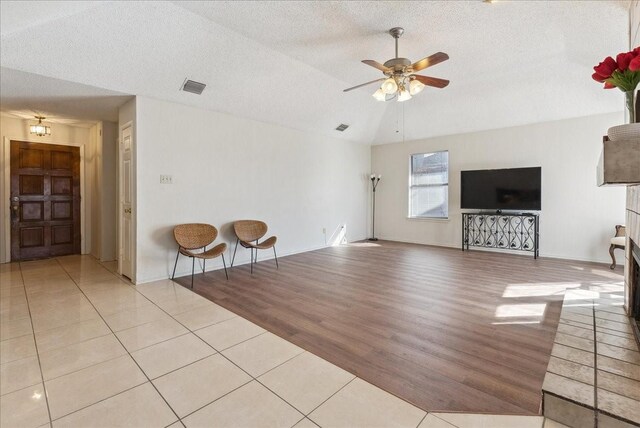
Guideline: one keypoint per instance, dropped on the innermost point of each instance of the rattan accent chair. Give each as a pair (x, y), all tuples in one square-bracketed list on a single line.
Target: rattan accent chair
[(196, 236), (249, 233)]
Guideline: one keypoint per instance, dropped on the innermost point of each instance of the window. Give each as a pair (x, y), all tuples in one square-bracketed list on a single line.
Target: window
[(429, 185)]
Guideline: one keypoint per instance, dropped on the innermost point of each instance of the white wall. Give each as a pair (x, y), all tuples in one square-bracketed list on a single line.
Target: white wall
[(226, 168), (109, 208), (634, 23), (93, 179), (102, 176), (18, 129), (577, 218)]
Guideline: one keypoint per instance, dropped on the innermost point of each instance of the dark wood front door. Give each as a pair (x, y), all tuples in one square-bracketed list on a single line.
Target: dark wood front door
[(45, 200)]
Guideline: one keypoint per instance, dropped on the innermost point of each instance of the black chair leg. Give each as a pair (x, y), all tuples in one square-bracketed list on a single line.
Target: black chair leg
[(176, 264), (193, 266), (234, 252), (276, 256), (225, 267), (252, 261), (204, 265)]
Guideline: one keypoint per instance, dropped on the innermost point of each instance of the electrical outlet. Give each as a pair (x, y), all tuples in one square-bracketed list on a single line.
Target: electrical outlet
[(166, 179), (324, 230)]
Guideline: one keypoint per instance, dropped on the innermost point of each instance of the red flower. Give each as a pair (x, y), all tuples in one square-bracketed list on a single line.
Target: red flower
[(605, 68), (634, 65), (608, 85), (623, 60)]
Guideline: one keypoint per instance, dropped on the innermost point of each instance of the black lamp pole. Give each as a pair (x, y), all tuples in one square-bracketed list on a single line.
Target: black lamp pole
[(374, 183)]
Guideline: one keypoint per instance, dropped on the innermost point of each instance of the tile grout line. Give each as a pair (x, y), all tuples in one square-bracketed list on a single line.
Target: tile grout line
[(423, 418), (44, 387), (304, 350), (249, 374), (456, 426), (583, 350), (328, 398), (125, 348), (211, 402), (193, 332), (189, 332), (284, 362), (573, 323), (228, 347), (246, 383)]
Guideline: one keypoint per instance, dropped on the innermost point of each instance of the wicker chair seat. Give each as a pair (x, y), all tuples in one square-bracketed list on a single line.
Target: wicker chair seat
[(264, 245), (248, 234), (211, 253), (192, 238)]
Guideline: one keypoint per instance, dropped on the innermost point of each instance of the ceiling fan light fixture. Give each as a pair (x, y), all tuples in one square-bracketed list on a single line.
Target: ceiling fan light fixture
[(40, 129), (415, 87), (389, 86), (399, 81), (404, 95), (379, 95)]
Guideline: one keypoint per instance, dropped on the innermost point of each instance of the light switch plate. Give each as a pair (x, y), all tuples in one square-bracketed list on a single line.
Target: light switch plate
[(166, 179)]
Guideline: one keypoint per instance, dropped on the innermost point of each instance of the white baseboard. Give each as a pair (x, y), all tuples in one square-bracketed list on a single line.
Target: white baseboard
[(217, 265), (498, 250)]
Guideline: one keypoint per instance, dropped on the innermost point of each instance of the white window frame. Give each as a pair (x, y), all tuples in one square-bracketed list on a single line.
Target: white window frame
[(411, 186)]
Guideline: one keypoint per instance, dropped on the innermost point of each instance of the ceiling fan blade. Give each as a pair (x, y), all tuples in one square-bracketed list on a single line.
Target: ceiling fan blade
[(364, 84), (431, 81), (376, 64), (434, 59)]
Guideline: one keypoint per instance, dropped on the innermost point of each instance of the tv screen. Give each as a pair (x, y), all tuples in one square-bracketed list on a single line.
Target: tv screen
[(501, 189)]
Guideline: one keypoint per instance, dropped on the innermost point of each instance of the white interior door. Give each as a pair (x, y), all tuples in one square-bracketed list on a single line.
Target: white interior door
[(125, 258)]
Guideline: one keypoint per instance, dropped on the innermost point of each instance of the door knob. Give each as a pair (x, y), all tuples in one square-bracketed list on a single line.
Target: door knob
[(15, 208)]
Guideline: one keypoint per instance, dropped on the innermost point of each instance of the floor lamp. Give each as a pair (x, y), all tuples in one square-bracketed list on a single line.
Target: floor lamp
[(374, 183)]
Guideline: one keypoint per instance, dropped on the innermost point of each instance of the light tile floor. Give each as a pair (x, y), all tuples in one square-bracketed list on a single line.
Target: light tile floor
[(80, 347)]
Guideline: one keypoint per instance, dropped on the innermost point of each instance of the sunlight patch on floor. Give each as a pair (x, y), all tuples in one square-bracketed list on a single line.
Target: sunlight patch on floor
[(538, 289), (581, 295), (362, 244), (521, 310)]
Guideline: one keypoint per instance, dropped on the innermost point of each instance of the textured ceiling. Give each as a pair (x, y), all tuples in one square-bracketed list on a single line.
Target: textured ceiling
[(512, 62), (25, 95)]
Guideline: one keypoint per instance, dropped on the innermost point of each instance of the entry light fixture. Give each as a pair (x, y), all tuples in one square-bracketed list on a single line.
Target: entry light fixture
[(40, 129)]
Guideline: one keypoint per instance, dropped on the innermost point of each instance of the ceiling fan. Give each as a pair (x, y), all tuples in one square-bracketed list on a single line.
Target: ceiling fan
[(400, 82)]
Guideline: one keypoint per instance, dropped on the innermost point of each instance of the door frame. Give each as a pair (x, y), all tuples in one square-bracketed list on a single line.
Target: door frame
[(5, 191)]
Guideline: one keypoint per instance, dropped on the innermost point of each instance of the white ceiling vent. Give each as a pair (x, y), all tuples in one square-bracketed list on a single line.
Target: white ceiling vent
[(342, 127), (193, 87)]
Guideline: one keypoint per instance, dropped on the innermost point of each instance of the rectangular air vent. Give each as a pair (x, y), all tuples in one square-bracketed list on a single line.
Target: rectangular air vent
[(342, 127), (193, 87)]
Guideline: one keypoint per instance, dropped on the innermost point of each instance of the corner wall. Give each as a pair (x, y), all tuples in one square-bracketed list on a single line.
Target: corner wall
[(577, 218), (227, 168), (102, 176)]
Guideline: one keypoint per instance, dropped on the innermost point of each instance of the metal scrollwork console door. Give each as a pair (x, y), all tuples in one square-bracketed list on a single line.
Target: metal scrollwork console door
[(518, 232)]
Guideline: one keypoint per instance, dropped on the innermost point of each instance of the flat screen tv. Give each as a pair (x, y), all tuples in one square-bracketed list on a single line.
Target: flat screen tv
[(502, 189)]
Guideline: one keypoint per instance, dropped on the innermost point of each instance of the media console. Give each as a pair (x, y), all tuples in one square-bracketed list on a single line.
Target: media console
[(518, 231)]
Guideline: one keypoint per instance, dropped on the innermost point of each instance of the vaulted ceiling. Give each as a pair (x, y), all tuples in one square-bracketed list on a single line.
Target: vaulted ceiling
[(512, 62)]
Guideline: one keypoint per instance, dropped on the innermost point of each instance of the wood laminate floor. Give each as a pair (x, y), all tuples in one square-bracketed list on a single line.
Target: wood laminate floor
[(445, 330)]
